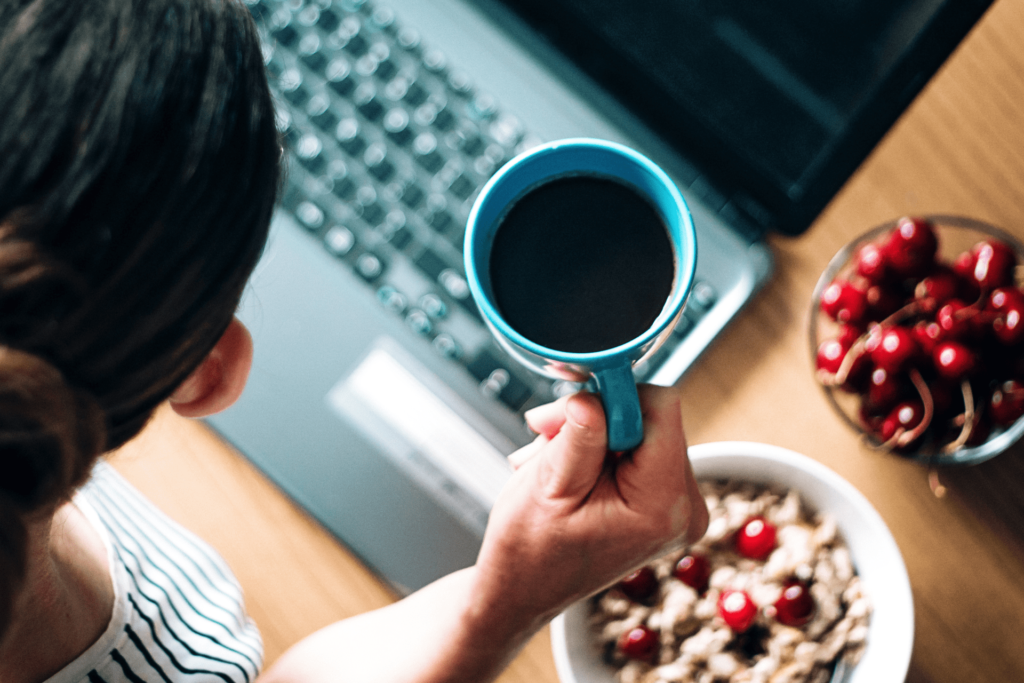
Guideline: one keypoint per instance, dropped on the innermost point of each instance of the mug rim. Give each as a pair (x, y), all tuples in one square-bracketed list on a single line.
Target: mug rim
[(685, 251)]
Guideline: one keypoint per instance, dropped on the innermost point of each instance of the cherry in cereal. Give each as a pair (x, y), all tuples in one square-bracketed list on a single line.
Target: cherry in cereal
[(756, 538), (694, 570), (737, 610), (795, 606), (639, 585), (639, 643)]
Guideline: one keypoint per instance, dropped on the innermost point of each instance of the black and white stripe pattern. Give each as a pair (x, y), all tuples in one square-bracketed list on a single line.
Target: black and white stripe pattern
[(182, 617)]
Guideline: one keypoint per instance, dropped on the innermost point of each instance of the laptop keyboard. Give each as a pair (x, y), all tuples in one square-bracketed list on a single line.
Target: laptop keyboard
[(387, 146)]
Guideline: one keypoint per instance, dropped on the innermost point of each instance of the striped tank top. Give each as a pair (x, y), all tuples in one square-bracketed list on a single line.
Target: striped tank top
[(178, 612)]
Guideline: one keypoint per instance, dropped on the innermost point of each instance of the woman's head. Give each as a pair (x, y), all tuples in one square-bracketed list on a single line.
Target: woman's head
[(138, 167)]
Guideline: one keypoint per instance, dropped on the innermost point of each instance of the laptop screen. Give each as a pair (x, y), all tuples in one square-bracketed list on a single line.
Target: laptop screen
[(775, 101)]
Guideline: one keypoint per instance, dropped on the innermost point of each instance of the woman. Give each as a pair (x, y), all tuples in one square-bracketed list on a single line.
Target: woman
[(138, 168)]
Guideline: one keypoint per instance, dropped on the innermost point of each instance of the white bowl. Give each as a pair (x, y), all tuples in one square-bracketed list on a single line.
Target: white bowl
[(874, 552)]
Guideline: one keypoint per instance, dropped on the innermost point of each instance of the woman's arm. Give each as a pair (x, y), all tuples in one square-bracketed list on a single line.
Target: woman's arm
[(571, 520)]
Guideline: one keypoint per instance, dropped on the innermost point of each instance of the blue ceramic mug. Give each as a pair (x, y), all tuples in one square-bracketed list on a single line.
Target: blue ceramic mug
[(610, 370)]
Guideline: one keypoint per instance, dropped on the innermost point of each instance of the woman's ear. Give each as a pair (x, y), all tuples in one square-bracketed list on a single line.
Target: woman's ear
[(218, 381)]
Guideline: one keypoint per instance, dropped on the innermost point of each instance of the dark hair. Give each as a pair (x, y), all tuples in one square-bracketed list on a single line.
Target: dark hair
[(139, 164)]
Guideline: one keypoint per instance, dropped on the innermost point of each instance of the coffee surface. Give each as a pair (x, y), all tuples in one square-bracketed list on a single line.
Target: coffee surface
[(581, 264)]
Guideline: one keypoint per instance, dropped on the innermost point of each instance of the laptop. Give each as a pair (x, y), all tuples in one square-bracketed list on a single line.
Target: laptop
[(378, 401)]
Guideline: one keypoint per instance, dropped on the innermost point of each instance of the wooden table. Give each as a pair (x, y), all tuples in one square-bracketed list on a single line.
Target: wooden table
[(959, 149)]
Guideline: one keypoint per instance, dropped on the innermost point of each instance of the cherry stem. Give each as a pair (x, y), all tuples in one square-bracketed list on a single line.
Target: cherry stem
[(843, 373), (968, 418), (934, 484), (929, 409)]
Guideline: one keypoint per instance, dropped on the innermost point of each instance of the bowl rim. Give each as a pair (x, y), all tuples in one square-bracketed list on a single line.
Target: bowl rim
[(891, 637), (967, 455)]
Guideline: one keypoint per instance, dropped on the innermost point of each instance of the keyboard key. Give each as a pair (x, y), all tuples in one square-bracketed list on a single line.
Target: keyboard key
[(369, 208), (424, 151), (433, 305), (383, 19), (419, 322), (369, 266), (392, 299), (408, 192), (281, 29), (339, 240), (440, 221), (349, 137), (447, 346), (310, 215), (396, 125), (318, 109), (483, 106), (309, 152), (310, 52), (461, 185), (339, 76), (328, 20), (456, 286), (460, 83), (377, 163), (366, 101), (290, 85), (408, 39), (349, 37), (497, 381), (434, 61), (702, 296), (339, 180), (431, 264)]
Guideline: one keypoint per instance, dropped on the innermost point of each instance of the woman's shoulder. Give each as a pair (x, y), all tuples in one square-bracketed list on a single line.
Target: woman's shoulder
[(179, 611)]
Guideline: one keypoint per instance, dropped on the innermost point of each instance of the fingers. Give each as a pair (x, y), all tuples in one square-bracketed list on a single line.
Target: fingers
[(548, 418), (574, 458), (524, 454), (659, 472)]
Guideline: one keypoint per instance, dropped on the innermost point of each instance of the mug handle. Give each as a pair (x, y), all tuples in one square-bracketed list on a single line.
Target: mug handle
[(617, 387)]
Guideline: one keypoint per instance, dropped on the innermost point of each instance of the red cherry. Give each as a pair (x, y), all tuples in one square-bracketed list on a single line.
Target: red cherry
[(905, 416), (640, 584), (737, 610), (756, 538), (1008, 324), (892, 348), (994, 264), (963, 266), (884, 389), (882, 301), (911, 246), (953, 360), (694, 570), (927, 334), (1007, 403), (639, 643), (830, 355), (844, 302), (871, 263), (795, 606), (937, 288), (954, 324)]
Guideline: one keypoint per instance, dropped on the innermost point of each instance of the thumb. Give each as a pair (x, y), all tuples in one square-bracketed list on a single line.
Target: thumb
[(575, 457)]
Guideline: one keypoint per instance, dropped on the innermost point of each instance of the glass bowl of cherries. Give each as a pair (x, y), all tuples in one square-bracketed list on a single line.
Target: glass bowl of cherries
[(917, 336)]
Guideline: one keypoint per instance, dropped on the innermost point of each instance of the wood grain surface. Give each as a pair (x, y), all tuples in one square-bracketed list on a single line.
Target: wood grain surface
[(959, 149)]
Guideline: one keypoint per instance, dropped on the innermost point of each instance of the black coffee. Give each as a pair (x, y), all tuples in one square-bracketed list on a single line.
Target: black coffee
[(581, 264)]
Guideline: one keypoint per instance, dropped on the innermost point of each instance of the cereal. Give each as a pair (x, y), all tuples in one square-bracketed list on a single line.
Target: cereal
[(811, 609)]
